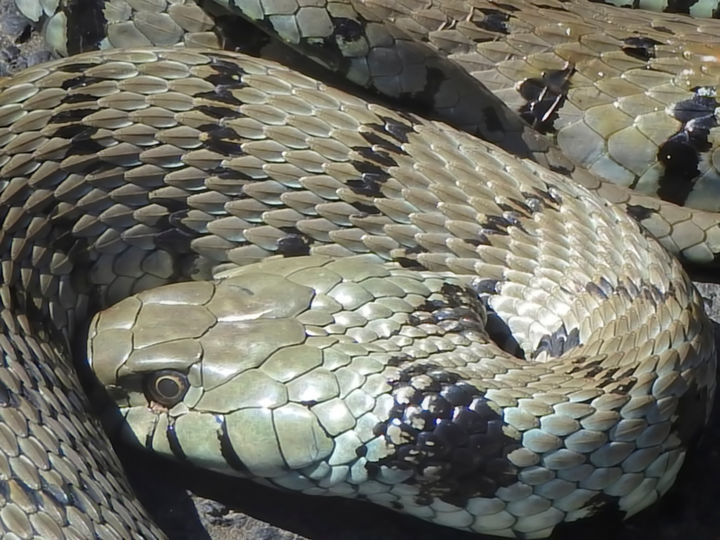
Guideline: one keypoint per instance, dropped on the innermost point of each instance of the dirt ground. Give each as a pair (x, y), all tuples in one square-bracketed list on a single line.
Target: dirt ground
[(190, 504)]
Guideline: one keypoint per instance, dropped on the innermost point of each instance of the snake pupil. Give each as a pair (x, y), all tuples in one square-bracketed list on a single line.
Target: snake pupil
[(167, 387)]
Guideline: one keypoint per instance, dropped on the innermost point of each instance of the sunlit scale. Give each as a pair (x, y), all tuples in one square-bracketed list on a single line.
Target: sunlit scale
[(513, 353)]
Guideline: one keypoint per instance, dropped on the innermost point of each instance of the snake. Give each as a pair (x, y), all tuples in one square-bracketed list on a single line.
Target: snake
[(449, 314)]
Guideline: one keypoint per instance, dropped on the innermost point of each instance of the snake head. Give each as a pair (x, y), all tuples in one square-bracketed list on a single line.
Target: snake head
[(266, 369), (175, 360)]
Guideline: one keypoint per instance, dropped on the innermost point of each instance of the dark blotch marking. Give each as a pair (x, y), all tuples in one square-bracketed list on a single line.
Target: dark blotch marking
[(485, 286), (170, 233), (365, 209), (642, 48), (663, 29), (227, 75), (513, 218), (347, 29), (533, 202), (70, 115), (175, 220), (679, 6), (88, 24), (681, 159), (652, 294), (378, 156), (398, 360), (173, 241), (625, 292), (602, 514), (371, 169), (443, 430), (680, 154), (558, 343), (406, 262), (224, 140), (587, 369), (544, 97), (496, 225), (78, 82), (480, 240), (698, 107), (78, 67), (513, 213), (494, 20), (216, 112), (595, 290), (626, 387), (366, 185), (605, 286), (639, 213), (603, 290), (5, 395), (543, 198), (397, 129), (294, 244), (371, 179), (374, 139), (223, 94), (406, 257), (59, 494), (458, 309), (71, 131), (79, 98), (495, 327), (80, 136)]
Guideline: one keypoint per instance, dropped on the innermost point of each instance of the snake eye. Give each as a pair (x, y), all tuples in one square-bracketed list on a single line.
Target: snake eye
[(166, 387)]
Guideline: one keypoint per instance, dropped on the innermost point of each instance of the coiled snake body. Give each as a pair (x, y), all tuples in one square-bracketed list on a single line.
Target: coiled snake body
[(459, 334)]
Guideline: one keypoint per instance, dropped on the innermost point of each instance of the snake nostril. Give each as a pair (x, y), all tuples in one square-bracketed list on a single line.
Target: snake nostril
[(166, 387)]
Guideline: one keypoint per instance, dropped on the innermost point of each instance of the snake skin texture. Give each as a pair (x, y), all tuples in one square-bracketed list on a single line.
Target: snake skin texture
[(635, 107), (628, 95), (199, 189), (512, 351)]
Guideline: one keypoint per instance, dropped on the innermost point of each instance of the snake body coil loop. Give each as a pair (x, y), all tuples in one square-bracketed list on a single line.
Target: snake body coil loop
[(327, 294)]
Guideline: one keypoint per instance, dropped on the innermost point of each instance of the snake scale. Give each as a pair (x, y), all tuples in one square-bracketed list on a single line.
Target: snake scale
[(373, 304)]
